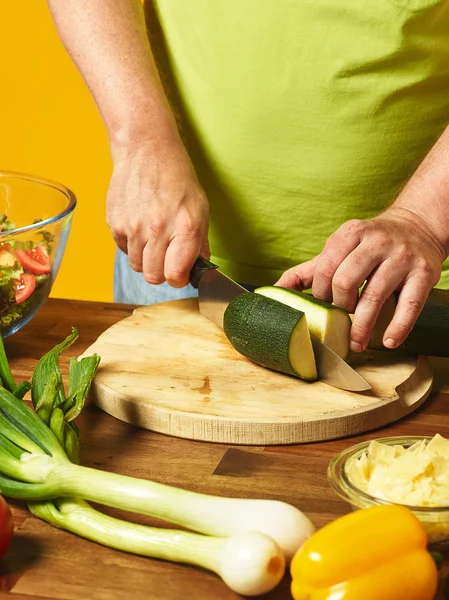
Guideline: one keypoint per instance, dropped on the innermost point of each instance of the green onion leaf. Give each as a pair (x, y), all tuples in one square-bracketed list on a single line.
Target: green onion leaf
[(48, 365), (10, 464), (81, 375), (44, 406), (24, 491), (72, 443), (57, 424), (5, 371), (12, 448), (25, 428), (18, 436), (22, 389)]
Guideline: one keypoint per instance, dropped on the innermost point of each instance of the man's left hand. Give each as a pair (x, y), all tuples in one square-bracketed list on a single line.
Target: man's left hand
[(393, 251)]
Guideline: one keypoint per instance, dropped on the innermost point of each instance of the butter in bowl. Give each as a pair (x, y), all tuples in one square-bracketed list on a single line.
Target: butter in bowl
[(411, 471)]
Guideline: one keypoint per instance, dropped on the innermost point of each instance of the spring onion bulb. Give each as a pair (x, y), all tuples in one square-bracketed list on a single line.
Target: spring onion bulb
[(249, 563)]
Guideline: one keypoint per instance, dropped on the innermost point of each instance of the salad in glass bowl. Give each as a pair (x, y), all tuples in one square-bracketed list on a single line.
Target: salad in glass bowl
[(35, 219)]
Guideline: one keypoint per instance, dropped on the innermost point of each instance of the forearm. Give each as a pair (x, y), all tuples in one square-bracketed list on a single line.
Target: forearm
[(108, 42), (426, 195)]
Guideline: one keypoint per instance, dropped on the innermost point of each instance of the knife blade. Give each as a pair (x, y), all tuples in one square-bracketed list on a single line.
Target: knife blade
[(334, 371), (215, 292)]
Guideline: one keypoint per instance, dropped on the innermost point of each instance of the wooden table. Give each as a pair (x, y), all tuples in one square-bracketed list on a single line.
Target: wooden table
[(44, 562)]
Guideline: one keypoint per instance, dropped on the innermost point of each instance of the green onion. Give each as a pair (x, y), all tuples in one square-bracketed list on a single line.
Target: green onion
[(23, 427), (29, 467), (250, 564), (81, 374), (18, 489), (198, 512), (246, 542), (46, 402), (47, 367), (288, 526), (12, 448), (5, 371), (22, 389)]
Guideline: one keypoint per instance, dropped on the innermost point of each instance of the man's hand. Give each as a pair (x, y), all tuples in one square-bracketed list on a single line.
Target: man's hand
[(156, 208), (158, 212), (393, 251)]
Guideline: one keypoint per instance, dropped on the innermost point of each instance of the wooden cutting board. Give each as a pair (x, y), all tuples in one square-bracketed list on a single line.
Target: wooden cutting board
[(168, 369)]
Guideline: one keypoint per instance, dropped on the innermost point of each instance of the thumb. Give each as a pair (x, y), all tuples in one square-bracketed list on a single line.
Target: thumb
[(299, 277)]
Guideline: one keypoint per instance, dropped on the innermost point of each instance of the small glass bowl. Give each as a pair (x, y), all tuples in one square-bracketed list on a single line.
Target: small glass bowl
[(435, 520), (39, 215)]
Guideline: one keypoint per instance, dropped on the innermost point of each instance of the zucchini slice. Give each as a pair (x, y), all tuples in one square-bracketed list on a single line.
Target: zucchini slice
[(429, 336), (329, 323), (270, 334)]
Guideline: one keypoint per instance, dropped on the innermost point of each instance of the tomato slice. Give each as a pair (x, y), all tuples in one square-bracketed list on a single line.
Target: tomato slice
[(6, 526), (25, 287), (35, 261), (5, 247)]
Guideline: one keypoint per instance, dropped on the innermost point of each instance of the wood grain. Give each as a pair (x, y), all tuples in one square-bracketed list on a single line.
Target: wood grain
[(47, 564), (168, 369)]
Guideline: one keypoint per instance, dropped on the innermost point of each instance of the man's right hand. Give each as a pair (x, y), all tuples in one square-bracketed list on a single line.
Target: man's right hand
[(157, 211), (156, 208)]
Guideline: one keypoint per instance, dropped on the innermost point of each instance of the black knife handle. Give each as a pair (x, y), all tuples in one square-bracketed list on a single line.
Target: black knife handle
[(201, 266)]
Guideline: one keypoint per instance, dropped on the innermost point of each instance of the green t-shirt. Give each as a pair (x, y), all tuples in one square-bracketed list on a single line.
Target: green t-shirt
[(301, 114)]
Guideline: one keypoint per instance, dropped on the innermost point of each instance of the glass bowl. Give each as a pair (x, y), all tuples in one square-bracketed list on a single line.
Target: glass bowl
[(435, 520), (35, 219)]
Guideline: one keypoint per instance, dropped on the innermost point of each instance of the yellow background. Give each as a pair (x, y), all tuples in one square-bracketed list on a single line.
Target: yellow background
[(50, 127)]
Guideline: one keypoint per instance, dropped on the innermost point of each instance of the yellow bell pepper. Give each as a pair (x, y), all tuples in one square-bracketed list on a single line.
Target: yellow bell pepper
[(377, 553)]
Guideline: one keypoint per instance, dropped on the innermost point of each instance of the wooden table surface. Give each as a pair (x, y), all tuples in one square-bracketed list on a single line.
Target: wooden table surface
[(46, 563)]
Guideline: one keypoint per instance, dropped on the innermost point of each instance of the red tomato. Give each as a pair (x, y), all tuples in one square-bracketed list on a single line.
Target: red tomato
[(5, 247), (6, 527), (35, 261), (25, 287)]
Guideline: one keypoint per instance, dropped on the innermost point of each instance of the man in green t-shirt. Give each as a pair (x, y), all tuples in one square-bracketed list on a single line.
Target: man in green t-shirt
[(305, 141)]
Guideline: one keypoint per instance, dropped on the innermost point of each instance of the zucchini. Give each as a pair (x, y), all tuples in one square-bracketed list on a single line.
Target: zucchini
[(329, 323), (270, 334), (429, 336)]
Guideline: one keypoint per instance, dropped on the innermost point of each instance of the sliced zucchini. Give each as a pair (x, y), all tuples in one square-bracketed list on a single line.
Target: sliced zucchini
[(329, 323), (270, 334)]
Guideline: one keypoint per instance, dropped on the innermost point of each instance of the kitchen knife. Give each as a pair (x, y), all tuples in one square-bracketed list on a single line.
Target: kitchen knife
[(215, 292)]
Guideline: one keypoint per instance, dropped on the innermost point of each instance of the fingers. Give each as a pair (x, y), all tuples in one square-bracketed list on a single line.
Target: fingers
[(300, 277), (351, 275), (121, 241), (181, 254), (410, 304), (337, 248), (153, 255), (135, 246), (379, 288), (163, 260)]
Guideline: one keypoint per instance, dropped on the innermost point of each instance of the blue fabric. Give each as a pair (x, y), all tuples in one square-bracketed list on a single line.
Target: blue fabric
[(131, 288)]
